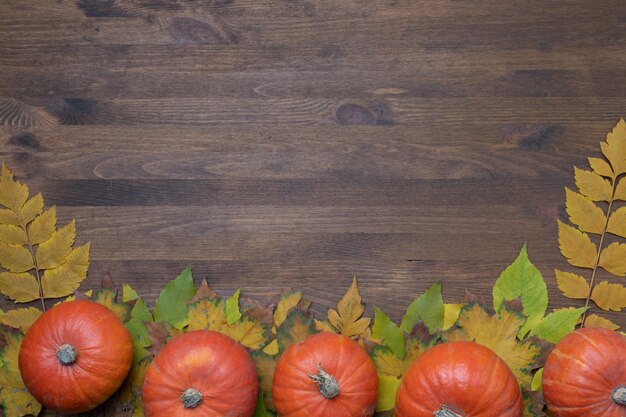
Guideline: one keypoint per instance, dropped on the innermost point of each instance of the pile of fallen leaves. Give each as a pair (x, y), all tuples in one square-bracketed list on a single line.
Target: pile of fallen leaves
[(40, 262)]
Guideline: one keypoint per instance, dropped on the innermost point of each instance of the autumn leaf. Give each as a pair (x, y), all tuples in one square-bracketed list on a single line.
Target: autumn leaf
[(13, 194), (556, 325), (160, 335), (12, 235), (19, 287), (20, 318), (347, 318), (535, 384), (66, 278), (287, 302), (203, 292), (271, 348), (265, 366), (522, 279), (387, 389), (499, 333), (583, 212), (129, 293), (387, 362), (108, 298), (613, 259), (232, 308), (389, 332), (593, 320), (617, 222), (572, 285), (601, 167), (614, 148), (451, 314), (16, 258), (620, 190), (52, 252), (609, 296), (250, 333), (130, 393), (592, 185), (207, 314), (576, 246), (428, 307), (171, 306), (43, 226), (297, 326), (14, 397)]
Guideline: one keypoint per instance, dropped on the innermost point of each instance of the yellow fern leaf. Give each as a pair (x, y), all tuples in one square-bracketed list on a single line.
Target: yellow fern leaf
[(8, 217), (43, 226), (613, 259), (576, 246), (62, 281), (620, 190), (31, 209), (20, 318), (13, 235), (609, 296), (16, 258), (617, 222), (615, 147), (593, 320), (20, 287), (572, 285), (601, 167), (583, 212), (13, 194), (52, 252), (592, 185)]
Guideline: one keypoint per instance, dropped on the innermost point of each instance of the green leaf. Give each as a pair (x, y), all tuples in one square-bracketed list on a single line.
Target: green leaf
[(261, 410), (387, 330), (535, 385), (555, 326), (523, 279), (428, 308), (129, 293), (387, 389), (140, 311), (171, 306), (232, 308)]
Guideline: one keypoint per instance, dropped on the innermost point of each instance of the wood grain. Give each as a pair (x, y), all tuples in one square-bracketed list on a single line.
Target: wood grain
[(294, 143)]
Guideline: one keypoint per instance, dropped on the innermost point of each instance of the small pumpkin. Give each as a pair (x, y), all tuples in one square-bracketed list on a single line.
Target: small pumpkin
[(585, 375), (325, 375), (202, 373), (458, 379), (75, 356)]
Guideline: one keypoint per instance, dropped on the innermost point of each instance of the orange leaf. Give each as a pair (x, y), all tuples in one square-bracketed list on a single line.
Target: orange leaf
[(594, 320), (576, 246), (347, 318), (613, 259), (615, 147), (572, 285), (609, 296), (593, 185), (583, 212)]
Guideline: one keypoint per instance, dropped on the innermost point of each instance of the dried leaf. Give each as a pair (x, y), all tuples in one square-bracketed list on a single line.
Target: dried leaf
[(451, 314), (287, 302), (108, 298), (20, 318), (601, 167), (21, 288), (171, 306), (232, 308), (620, 190), (12, 235), (248, 332), (323, 326), (388, 332), (613, 259), (9, 217), (160, 334), (428, 308), (593, 320), (556, 325), (572, 285), (609, 296), (583, 212), (203, 292), (31, 209), (265, 366), (15, 258), (522, 279), (347, 318), (297, 327), (499, 333), (387, 362), (44, 225), (52, 252), (14, 397), (387, 389), (576, 246), (617, 222), (593, 185), (65, 279), (13, 194), (614, 148)]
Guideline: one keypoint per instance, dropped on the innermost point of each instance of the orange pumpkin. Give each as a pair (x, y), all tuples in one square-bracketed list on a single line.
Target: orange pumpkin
[(325, 375), (459, 379), (201, 373), (75, 356), (585, 375)]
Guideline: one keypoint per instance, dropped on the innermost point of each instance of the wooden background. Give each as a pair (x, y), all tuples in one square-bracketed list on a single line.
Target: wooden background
[(294, 143)]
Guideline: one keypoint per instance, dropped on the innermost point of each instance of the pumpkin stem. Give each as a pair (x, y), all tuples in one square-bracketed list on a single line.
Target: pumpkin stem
[(191, 398), (444, 411), (619, 395), (328, 385), (66, 354)]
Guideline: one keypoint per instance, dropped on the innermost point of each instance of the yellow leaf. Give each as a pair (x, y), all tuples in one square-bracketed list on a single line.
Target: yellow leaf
[(386, 362), (20, 318), (52, 252), (272, 348), (617, 222), (62, 281), (499, 333), (207, 314), (248, 332), (265, 366), (620, 190), (108, 298), (16, 258), (286, 303), (593, 185), (593, 320), (15, 398), (8, 217), (535, 385), (601, 167), (297, 327), (32, 208), (572, 285), (451, 314), (21, 287), (613, 259), (43, 226), (583, 212), (13, 194), (13, 235), (609, 296), (615, 147), (576, 246), (347, 318), (323, 326)]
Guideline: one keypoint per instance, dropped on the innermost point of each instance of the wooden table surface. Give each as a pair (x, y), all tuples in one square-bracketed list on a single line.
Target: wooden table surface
[(294, 143)]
